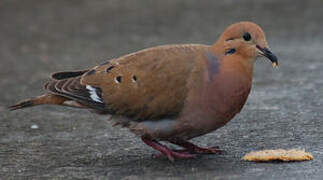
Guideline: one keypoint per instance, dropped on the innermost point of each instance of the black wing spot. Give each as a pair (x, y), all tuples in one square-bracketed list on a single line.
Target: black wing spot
[(109, 68), (118, 79), (134, 78), (91, 72)]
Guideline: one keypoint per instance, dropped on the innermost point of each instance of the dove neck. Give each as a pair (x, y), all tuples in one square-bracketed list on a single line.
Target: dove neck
[(217, 49), (237, 61)]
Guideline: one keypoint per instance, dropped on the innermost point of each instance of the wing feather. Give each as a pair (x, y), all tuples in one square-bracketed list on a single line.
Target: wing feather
[(149, 84), (72, 89), (67, 74)]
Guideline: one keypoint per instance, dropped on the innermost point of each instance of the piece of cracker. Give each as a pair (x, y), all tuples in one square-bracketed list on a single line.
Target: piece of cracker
[(278, 155)]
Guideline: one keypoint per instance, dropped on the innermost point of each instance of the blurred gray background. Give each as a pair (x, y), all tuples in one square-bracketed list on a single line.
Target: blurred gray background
[(37, 37)]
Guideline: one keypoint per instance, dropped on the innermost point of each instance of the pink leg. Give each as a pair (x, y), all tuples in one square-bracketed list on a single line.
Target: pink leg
[(192, 148), (166, 151)]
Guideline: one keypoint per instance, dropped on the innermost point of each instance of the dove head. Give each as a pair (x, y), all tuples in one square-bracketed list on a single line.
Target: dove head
[(246, 39)]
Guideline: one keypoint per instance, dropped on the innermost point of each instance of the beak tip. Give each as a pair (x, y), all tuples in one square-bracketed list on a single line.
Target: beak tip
[(267, 53)]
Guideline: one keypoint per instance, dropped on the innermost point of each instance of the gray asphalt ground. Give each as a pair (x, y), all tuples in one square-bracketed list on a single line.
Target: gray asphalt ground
[(37, 37)]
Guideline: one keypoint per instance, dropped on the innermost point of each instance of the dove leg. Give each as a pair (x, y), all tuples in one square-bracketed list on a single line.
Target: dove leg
[(192, 148), (166, 151)]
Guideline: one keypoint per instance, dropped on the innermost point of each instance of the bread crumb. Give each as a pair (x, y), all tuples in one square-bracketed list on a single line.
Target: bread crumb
[(278, 155)]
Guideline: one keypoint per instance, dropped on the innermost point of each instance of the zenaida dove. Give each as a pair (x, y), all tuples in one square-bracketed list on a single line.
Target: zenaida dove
[(168, 93)]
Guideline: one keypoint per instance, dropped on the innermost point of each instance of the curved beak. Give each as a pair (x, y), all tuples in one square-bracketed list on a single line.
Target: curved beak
[(268, 54)]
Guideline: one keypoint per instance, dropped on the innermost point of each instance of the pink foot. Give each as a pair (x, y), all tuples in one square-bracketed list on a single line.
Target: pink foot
[(171, 154)]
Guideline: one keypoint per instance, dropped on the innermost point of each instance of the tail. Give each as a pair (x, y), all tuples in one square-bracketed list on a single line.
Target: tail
[(22, 104), (55, 98), (45, 99)]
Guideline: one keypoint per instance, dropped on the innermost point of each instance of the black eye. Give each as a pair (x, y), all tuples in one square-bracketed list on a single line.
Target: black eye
[(246, 36)]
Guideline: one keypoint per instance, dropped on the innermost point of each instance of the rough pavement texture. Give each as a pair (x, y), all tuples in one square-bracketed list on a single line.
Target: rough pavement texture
[(37, 37)]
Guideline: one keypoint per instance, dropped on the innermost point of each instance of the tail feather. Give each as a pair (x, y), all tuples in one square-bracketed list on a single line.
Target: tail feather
[(44, 99), (22, 104)]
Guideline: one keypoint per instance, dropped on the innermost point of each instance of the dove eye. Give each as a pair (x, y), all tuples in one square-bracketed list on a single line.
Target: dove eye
[(246, 36)]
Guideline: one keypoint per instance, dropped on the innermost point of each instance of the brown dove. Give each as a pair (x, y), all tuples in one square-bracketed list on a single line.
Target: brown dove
[(168, 93)]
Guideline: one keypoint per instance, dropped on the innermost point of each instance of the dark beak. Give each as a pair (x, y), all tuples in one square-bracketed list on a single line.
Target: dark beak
[(268, 54)]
